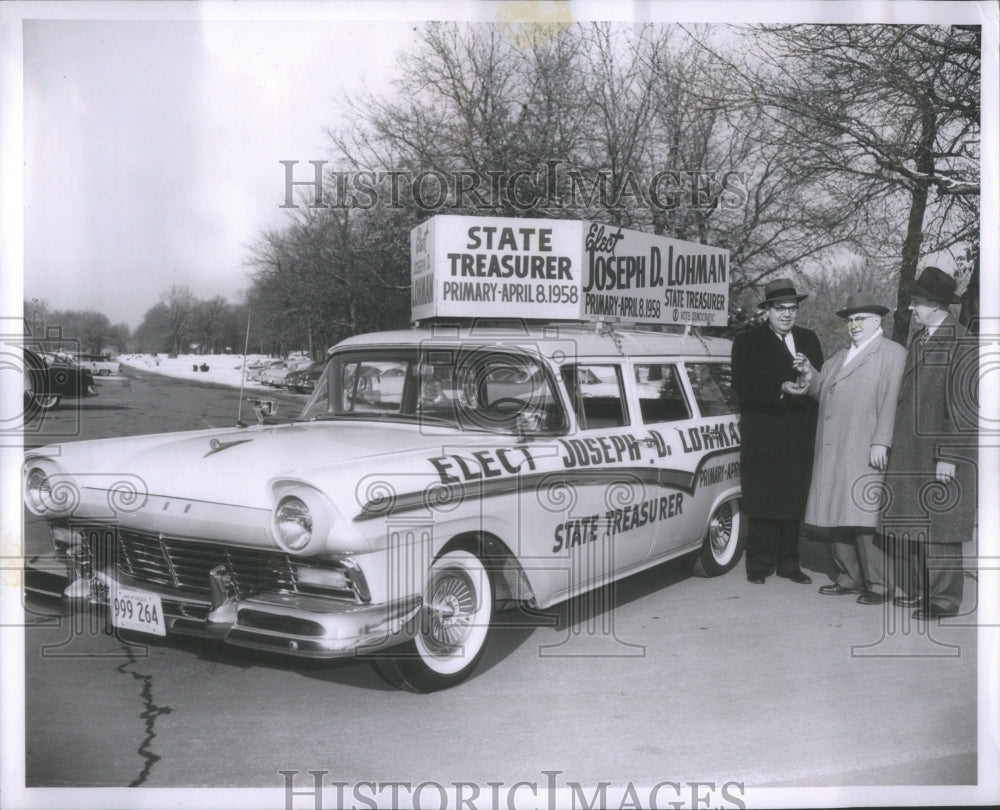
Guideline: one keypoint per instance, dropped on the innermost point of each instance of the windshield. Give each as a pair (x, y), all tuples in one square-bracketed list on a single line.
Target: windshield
[(59, 359), (470, 389)]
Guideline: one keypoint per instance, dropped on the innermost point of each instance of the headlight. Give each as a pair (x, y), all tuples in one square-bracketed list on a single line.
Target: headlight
[(293, 524), (302, 519), (48, 491), (37, 490)]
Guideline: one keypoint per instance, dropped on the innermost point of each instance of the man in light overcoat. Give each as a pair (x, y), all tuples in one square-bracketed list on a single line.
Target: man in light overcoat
[(930, 508), (857, 392)]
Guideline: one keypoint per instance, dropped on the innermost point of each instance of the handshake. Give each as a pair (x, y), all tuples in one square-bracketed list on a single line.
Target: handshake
[(800, 384)]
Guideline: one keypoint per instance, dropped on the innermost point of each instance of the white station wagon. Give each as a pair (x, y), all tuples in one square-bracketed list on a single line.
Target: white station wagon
[(100, 364), (433, 477)]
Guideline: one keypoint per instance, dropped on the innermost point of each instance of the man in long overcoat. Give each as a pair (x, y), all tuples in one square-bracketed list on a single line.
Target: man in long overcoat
[(930, 508), (857, 392), (777, 430)]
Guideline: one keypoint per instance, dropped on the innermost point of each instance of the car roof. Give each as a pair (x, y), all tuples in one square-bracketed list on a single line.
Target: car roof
[(550, 340)]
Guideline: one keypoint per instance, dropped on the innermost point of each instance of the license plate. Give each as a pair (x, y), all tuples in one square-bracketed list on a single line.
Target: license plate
[(137, 610)]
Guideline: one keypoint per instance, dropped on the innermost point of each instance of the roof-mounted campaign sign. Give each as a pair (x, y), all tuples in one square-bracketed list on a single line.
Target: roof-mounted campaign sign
[(563, 269)]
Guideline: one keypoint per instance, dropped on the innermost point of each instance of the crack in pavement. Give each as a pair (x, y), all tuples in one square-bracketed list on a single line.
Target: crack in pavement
[(149, 714)]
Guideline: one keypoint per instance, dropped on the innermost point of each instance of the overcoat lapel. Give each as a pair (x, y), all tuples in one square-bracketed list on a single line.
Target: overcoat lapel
[(865, 356), (944, 333), (913, 352)]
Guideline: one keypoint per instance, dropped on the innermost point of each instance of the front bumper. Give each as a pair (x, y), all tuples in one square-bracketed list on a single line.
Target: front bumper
[(297, 624)]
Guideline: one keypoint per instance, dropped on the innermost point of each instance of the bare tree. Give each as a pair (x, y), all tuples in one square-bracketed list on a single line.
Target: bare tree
[(118, 337), (723, 175), (894, 112), (208, 322), (36, 316), (179, 303), (91, 331), (792, 146)]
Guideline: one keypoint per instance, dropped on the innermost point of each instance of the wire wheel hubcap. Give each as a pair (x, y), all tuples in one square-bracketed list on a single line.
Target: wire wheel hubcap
[(721, 531), (450, 611)]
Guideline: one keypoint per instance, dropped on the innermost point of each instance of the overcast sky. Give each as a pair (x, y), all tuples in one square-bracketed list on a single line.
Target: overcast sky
[(152, 132), (152, 148)]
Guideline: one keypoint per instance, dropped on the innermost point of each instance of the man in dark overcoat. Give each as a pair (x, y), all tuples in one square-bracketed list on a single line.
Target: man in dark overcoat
[(778, 430), (930, 504)]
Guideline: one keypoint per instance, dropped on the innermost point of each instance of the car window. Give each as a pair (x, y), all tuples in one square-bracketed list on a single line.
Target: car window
[(712, 384), (60, 359), (661, 398), (596, 393), (466, 388), (485, 389), (374, 387)]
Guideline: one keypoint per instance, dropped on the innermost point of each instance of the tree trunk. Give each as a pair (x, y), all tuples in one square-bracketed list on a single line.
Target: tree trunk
[(908, 267), (969, 314), (915, 223)]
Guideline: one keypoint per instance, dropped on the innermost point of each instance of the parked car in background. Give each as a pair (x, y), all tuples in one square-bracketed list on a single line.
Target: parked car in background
[(303, 380), (255, 370), (51, 377), (275, 375), (100, 364)]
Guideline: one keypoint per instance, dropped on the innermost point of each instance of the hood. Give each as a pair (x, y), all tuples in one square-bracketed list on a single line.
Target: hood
[(236, 466)]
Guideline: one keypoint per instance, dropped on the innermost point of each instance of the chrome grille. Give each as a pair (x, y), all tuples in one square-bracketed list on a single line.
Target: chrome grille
[(184, 564)]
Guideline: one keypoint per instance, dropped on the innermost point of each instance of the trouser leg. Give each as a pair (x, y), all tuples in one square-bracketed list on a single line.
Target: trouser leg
[(907, 565), (945, 575), (874, 565), (787, 551), (761, 540), (847, 571)]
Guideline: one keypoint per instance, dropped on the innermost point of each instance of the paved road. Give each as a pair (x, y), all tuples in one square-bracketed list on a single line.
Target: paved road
[(665, 677)]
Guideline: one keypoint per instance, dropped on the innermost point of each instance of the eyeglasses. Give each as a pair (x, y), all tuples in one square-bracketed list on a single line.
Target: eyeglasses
[(791, 309), (859, 319)]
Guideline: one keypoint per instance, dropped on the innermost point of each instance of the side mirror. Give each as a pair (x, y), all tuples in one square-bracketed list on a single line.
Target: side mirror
[(527, 423), (263, 408)]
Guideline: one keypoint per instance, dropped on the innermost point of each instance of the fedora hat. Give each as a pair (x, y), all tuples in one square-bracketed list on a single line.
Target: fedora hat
[(861, 302), (779, 290), (935, 284)]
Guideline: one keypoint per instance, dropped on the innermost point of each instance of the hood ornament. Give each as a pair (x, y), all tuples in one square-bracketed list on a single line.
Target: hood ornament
[(218, 447)]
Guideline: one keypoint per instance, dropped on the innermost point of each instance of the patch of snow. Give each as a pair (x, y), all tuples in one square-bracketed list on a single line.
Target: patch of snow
[(223, 369)]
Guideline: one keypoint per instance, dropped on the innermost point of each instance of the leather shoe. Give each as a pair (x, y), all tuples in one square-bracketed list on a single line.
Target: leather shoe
[(755, 580), (908, 601), (872, 598), (932, 612), (799, 577), (836, 590)]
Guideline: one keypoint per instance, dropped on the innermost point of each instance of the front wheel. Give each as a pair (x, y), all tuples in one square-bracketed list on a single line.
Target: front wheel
[(723, 544), (455, 623)]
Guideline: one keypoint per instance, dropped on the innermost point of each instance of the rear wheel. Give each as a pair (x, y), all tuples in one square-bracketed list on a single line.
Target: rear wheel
[(47, 401), (35, 385), (455, 623), (723, 544)]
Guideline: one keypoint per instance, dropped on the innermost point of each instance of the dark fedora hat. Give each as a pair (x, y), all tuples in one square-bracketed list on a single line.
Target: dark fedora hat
[(862, 302), (778, 291), (935, 284)]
